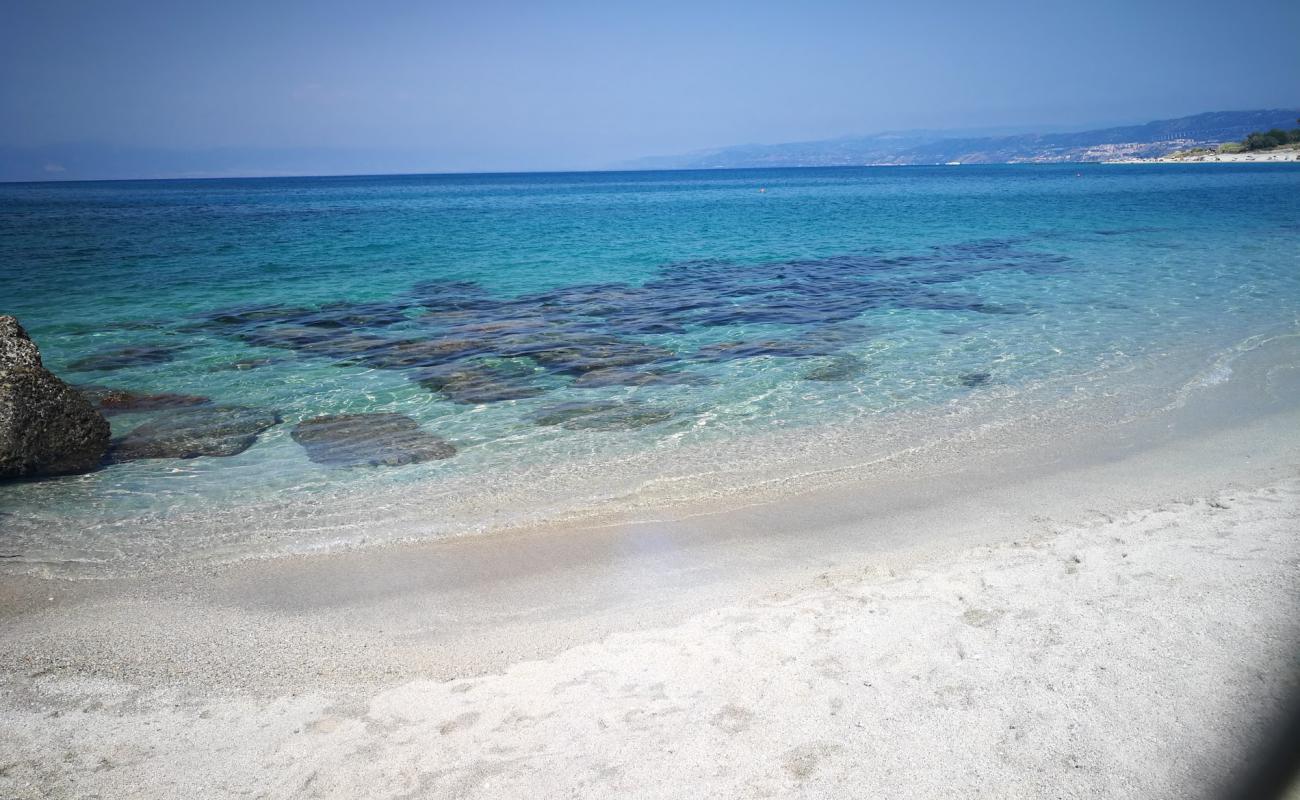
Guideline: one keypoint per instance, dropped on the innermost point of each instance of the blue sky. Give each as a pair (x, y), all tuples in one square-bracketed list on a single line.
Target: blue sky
[(531, 85)]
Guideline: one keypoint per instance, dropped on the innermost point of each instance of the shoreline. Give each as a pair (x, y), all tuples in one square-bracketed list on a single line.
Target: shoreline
[(648, 486), (1118, 577)]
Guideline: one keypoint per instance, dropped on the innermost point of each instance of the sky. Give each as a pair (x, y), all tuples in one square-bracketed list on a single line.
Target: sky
[(501, 85)]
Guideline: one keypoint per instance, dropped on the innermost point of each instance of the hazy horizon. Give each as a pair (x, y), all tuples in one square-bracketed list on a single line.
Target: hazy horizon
[(152, 89)]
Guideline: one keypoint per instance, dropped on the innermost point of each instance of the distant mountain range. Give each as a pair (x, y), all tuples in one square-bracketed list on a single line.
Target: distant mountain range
[(935, 147), (93, 161)]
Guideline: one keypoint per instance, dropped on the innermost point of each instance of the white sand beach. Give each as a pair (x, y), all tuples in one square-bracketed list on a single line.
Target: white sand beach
[(1122, 657), (1111, 614), (1282, 154)]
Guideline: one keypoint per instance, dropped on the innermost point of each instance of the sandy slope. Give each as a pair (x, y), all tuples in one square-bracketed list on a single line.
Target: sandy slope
[(1124, 657)]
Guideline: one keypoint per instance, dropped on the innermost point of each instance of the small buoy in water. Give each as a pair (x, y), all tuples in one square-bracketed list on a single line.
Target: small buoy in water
[(761, 191)]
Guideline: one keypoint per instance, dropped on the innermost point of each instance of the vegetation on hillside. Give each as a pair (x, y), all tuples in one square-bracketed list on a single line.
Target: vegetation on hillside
[(1255, 142), (1269, 139)]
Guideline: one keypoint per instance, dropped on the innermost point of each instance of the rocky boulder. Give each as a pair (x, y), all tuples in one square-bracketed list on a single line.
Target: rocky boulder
[(46, 426)]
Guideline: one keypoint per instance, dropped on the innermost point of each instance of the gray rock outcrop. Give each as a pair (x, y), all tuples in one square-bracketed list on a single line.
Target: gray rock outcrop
[(46, 426)]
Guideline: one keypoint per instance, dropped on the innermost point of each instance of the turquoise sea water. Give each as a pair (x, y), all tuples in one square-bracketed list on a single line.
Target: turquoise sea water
[(601, 331)]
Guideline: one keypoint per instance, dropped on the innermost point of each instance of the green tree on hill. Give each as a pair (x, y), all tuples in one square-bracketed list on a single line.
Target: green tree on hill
[(1270, 139)]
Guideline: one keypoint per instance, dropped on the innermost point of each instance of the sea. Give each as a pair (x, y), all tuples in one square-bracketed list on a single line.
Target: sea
[(295, 365)]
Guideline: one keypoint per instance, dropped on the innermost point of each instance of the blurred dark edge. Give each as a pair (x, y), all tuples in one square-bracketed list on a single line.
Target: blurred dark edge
[(1275, 765)]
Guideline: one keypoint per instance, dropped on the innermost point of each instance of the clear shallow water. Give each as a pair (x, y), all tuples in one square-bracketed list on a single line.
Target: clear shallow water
[(706, 328)]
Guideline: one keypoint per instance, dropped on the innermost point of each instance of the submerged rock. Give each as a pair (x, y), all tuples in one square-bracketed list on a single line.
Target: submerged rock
[(973, 379), (838, 368), (110, 401), (730, 351), (563, 412), (251, 315), (360, 440), (585, 355), (345, 346), (481, 383), (623, 376), (406, 353), (286, 337), (194, 432), (602, 416), (124, 357), (46, 426), (353, 315)]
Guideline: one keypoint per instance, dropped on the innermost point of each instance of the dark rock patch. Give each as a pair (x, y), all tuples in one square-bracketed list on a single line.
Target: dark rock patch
[(368, 440), (344, 346), (1000, 308), (475, 384), (449, 317), (346, 315), (602, 416), (837, 368), (286, 337), (441, 295), (125, 357), (730, 351), (245, 316), (109, 400), (563, 412), (574, 330), (598, 353), (46, 426), (407, 353), (973, 379), (624, 376), (648, 327), (194, 432)]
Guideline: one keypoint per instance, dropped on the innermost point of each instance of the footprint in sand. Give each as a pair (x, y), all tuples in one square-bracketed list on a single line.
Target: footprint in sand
[(459, 723), (732, 719), (802, 761), (980, 618)]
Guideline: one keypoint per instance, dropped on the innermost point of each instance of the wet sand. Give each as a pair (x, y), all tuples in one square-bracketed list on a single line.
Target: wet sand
[(1109, 614)]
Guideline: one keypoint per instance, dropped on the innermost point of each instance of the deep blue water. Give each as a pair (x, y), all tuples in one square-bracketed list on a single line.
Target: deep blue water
[(589, 319)]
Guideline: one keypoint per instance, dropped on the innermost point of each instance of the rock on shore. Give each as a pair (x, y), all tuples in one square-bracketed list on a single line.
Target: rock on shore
[(46, 426)]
